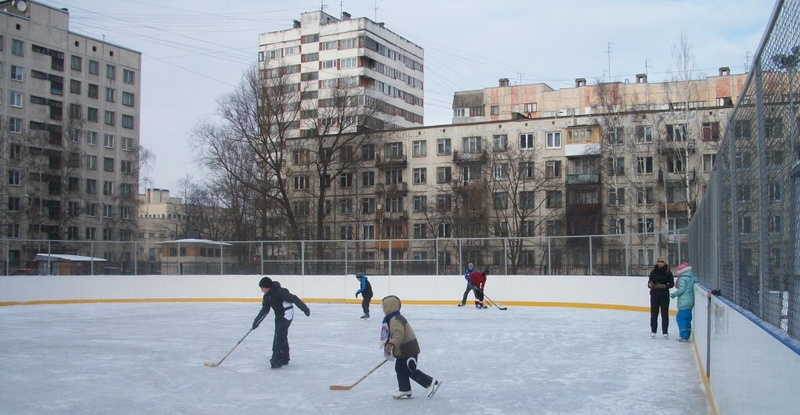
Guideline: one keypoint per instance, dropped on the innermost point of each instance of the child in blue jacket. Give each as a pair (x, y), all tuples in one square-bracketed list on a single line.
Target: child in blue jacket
[(685, 294)]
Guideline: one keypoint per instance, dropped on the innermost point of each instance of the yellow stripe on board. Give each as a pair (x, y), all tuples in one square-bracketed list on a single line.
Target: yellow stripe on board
[(706, 380)]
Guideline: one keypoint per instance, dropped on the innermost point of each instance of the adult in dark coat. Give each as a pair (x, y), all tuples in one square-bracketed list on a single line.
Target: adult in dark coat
[(660, 281), (282, 302)]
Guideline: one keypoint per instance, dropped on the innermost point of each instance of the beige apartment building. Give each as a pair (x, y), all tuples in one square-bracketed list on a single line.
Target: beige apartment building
[(322, 55), (69, 139), (607, 185)]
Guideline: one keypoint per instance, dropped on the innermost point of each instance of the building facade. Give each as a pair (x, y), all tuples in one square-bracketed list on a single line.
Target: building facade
[(70, 108), (321, 55)]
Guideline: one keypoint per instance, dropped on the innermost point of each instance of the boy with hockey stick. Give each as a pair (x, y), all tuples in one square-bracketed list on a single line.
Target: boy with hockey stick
[(400, 342), (477, 280), (282, 302)]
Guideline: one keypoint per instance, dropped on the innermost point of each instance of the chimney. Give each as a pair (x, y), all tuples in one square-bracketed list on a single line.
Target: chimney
[(641, 78), (724, 71), (579, 82), (503, 82), (296, 24), (345, 16)]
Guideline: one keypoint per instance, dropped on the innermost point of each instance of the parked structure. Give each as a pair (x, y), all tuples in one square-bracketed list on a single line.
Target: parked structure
[(69, 138)]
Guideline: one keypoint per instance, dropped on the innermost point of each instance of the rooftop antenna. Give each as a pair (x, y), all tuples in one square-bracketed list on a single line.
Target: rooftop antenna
[(520, 77), (375, 8), (747, 61), (646, 65), (609, 60), (322, 6)]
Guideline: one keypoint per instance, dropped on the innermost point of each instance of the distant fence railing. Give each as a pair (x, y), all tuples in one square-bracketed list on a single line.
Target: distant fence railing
[(623, 254), (745, 237)]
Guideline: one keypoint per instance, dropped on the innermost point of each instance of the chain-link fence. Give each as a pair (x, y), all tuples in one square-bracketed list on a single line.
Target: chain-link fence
[(624, 254), (745, 236)]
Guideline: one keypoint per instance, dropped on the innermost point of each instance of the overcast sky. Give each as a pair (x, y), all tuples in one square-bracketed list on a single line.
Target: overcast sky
[(195, 51)]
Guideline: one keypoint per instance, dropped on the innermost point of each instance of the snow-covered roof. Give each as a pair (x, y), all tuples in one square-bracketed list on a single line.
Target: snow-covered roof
[(193, 241), (67, 257)]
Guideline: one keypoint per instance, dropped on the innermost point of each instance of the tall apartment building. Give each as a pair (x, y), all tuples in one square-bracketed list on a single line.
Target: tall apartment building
[(69, 138), (322, 53), (614, 178)]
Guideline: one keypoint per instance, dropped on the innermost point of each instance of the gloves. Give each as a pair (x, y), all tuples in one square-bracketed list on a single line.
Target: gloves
[(357, 292), (388, 351), (307, 312)]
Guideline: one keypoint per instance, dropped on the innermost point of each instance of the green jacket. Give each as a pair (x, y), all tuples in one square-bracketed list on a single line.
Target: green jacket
[(685, 291)]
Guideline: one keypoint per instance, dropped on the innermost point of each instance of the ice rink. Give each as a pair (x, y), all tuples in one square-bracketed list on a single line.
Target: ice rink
[(147, 358)]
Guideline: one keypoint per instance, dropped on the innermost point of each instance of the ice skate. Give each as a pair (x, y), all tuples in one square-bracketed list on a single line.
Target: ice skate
[(652, 335), (431, 390), (402, 395), (365, 316), (666, 336)]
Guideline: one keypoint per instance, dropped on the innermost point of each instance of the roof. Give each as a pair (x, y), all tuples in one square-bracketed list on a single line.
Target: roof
[(66, 257), (191, 241)]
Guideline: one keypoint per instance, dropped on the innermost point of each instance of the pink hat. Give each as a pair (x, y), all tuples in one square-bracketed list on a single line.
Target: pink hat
[(683, 268)]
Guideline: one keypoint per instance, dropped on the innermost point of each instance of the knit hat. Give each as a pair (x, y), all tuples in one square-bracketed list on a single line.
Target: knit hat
[(662, 260), (471, 265), (265, 282), (683, 268)]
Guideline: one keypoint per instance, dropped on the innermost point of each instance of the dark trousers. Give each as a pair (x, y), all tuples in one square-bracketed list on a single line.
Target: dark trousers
[(280, 343), (659, 304), (466, 292), (365, 302), (478, 295), (406, 369)]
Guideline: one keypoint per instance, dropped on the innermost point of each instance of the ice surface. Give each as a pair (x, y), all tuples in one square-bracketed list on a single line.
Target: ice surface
[(147, 358)]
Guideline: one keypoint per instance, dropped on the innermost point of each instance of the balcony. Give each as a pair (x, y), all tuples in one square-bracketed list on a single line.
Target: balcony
[(678, 177), (460, 157), (676, 146), (401, 216), (582, 179), (382, 188), (587, 209), (394, 243), (391, 161)]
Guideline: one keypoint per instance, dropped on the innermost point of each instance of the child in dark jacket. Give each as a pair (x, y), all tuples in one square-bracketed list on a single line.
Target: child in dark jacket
[(400, 342), (365, 289), (282, 302)]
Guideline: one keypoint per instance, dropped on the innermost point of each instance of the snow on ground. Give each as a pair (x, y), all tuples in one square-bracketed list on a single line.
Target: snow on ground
[(147, 358)]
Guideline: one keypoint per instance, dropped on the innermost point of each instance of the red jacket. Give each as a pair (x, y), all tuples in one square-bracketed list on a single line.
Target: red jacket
[(477, 279)]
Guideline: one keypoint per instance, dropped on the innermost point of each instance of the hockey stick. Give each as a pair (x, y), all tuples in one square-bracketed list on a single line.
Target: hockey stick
[(494, 303), (348, 387), (212, 364)]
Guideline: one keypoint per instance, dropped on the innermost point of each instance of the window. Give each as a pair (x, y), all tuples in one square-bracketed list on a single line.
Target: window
[(443, 147), (13, 178), (419, 149), (91, 234), (75, 87), (645, 225), (128, 76), (420, 203), (92, 114), (616, 166), (676, 163), (745, 224), (495, 110), (645, 196), (527, 200), (91, 188), (368, 178), (443, 202), (108, 234), (111, 94), (774, 192), (17, 73), (91, 138), (616, 196), (368, 205), (17, 47), (15, 125), (616, 226), (552, 168), (393, 176), (741, 129), (708, 162), (91, 162), (94, 91), (773, 128), (420, 230), (677, 132), (501, 171), (471, 144), (616, 136), (368, 232), (529, 107), (443, 174), (108, 211), (645, 257), (420, 175), (644, 133), (301, 182), (553, 199), (108, 140), (444, 230), (108, 188), (127, 121), (499, 142), (94, 67), (710, 131), (526, 141), (111, 71), (108, 164), (459, 112), (346, 206), (774, 224), (15, 99), (743, 160), (126, 166), (553, 139), (554, 228), (109, 118), (644, 165), (500, 200), (367, 152), (526, 170), (15, 151), (127, 144)]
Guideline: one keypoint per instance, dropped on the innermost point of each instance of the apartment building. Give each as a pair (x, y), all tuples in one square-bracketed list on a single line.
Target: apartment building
[(612, 183), (321, 56), (70, 108)]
